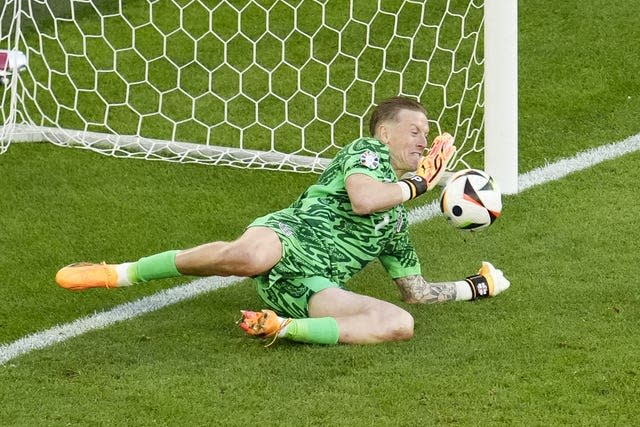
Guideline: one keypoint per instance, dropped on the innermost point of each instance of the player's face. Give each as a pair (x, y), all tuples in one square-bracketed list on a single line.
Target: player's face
[(406, 138)]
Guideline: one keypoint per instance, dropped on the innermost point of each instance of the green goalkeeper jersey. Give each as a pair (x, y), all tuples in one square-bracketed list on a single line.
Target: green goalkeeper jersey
[(351, 240)]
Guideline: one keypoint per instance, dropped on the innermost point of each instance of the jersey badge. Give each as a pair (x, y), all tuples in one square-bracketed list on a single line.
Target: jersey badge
[(369, 159)]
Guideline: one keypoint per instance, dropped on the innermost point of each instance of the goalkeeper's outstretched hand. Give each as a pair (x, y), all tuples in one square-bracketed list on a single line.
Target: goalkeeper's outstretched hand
[(434, 164)]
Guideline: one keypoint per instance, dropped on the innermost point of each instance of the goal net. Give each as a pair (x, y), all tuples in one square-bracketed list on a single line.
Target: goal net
[(277, 84)]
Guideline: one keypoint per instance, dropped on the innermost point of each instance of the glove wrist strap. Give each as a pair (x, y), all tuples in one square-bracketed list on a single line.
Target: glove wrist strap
[(479, 286), (412, 187)]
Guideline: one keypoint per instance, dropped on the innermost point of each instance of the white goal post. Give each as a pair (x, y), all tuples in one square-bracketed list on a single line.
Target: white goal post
[(501, 93), (276, 84)]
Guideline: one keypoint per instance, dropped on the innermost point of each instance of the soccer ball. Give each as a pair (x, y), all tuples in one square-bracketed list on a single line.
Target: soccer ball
[(471, 200)]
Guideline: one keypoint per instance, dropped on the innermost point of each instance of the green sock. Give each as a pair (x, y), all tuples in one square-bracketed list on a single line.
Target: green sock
[(158, 266), (317, 330)]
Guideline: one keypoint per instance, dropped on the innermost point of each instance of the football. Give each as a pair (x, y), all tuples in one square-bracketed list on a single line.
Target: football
[(471, 200)]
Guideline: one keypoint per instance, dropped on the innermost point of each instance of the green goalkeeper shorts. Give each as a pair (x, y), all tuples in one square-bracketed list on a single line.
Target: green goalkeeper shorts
[(290, 297), (303, 270)]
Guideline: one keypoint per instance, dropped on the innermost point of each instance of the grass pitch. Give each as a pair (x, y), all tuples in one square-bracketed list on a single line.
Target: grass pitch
[(558, 348)]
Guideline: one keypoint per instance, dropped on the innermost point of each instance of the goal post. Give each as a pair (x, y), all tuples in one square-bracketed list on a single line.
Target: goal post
[(276, 84), (501, 93)]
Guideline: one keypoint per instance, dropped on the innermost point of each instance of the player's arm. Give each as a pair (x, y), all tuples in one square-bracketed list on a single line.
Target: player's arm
[(368, 195), (488, 282), (416, 290)]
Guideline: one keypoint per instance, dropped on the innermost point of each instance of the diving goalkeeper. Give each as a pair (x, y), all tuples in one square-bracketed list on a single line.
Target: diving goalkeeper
[(301, 257)]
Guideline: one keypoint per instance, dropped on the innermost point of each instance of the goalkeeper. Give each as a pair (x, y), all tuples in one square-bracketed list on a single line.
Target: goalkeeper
[(302, 256)]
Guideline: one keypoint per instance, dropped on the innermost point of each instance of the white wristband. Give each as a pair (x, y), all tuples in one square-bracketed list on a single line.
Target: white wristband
[(406, 191)]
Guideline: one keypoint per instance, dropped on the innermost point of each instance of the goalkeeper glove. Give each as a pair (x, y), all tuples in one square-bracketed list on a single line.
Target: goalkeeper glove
[(433, 165)]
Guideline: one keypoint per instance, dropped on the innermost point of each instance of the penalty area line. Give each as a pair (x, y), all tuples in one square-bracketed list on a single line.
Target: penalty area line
[(167, 297)]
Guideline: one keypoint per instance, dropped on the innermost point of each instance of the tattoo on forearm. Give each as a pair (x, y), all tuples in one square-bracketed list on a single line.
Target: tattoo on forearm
[(415, 289)]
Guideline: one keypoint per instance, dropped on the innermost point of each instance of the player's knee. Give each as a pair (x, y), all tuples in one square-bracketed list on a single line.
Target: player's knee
[(400, 326), (258, 263), (403, 330)]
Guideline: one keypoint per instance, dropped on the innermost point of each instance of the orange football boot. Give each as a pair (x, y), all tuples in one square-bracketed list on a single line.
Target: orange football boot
[(263, 323), (84, 275)]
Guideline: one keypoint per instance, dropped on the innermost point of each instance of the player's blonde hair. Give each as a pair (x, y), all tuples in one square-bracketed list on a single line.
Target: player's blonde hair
[(389, 109)]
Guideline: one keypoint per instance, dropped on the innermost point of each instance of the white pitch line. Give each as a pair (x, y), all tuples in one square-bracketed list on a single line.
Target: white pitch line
[(99, 320), (167, 297), (580, 161)]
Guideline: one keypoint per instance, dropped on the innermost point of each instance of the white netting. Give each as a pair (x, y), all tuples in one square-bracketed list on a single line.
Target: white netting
[(267, 83)]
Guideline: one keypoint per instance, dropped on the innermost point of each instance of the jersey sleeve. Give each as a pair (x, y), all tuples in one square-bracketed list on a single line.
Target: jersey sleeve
[(399, 257), (367, 156)]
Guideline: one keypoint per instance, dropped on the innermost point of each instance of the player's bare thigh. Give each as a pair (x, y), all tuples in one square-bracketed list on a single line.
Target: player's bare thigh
[(257, 250)]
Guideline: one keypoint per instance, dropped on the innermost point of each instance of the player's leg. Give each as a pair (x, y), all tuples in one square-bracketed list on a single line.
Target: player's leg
[(255, 252), (315, 310), (289, 298), (362, 319)]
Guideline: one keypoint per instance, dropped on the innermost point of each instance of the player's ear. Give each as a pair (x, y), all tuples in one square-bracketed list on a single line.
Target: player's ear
[(382, 132)]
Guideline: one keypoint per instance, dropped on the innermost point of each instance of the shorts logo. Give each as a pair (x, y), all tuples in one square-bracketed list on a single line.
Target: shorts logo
[(286, 230), (399, 223), (369, 159)]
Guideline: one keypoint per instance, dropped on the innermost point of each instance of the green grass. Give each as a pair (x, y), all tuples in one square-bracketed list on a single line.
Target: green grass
[(558, 348), (577, 76)]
